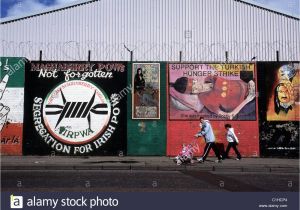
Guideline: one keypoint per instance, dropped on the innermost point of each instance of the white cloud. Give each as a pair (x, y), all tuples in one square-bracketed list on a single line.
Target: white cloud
[(289, 6), (62, 2), (25, 7)]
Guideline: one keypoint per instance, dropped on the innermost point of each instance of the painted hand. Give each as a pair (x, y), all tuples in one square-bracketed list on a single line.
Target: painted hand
[(251, 90), (4, 110)]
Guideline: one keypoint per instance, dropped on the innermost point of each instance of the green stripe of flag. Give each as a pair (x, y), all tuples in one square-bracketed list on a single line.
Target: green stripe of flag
[(15, 68)]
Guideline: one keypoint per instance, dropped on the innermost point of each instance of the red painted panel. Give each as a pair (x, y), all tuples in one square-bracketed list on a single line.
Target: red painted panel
[(180, 132), (11, 139)]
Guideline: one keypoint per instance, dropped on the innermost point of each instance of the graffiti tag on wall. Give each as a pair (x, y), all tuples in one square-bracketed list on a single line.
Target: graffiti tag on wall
[(280, 138)]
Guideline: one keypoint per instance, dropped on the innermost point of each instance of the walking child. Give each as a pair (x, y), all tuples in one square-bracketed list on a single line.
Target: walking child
[(233, 141)]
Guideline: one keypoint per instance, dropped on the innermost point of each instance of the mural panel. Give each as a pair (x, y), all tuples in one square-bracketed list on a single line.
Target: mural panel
[(284, 102), (147, 136), (212, 91), (278, 84), (146, 91), (75, 108), (11, 104)]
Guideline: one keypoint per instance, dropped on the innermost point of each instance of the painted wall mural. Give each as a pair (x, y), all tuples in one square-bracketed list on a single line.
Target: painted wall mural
[(146, 91), (148, 136), (221, 93), (11, 105), (80, 108), (278, 84), (75, 108), (213, 91), (284, 100)]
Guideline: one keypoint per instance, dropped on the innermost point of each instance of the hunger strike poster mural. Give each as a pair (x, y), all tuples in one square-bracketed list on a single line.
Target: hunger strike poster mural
[(11, 104), (284, 99), (213, 91), (146, 91), (76, 108)]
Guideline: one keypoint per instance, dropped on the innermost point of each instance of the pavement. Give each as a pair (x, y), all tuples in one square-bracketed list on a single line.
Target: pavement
[(154, 163)]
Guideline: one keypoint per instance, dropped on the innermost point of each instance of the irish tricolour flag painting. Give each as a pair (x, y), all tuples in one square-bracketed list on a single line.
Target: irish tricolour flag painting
[(11, 105)]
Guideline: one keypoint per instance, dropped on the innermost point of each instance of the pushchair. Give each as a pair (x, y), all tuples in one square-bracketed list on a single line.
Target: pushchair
[(186, 155)]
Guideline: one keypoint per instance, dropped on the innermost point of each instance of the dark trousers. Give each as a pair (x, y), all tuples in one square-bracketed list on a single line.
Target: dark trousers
[(207, 148), (233, 145)]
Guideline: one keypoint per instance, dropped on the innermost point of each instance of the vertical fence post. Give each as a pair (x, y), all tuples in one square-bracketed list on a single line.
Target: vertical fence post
[(226, 56), (131, 52), (180, 56), (89, 56), (131, 55), (41, 55)]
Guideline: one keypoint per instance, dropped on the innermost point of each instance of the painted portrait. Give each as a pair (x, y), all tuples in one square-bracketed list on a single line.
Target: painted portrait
[(146, 91), (284, 103)]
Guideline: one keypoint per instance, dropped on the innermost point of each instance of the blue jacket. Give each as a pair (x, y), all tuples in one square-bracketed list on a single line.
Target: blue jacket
[(207, 132)]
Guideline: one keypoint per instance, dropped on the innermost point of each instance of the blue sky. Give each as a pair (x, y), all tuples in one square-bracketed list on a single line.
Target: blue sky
[(286, 6), (11, 8)]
